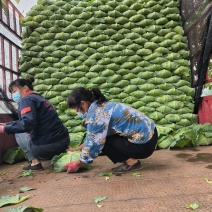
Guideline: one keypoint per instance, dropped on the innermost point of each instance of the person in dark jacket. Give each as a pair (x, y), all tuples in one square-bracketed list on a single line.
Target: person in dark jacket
[(39, 131)]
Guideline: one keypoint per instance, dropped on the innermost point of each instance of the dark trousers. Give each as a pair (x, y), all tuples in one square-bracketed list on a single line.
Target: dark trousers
[(48, 151), (119, 149)]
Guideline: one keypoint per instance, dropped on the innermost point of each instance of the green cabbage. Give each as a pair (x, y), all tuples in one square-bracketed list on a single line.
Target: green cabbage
[(59, 161)]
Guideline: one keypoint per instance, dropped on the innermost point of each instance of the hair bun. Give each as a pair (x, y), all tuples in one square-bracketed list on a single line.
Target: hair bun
[(31, 80)]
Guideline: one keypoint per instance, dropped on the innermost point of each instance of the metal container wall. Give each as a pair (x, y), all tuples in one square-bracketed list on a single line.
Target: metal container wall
[(10, 47), (10, 44), (6, 141)]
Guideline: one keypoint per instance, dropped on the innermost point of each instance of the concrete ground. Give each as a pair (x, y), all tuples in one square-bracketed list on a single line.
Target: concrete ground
[(169, 180)]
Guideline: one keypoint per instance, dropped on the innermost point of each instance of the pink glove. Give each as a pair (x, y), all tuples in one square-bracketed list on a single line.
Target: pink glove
[(72, 167), (2, 128)]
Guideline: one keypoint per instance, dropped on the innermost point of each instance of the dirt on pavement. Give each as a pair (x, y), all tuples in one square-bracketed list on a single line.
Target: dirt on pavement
[(169, 180)]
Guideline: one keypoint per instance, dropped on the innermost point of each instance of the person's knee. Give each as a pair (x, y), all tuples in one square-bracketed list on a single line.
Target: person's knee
[(22, 137), (18, 139)]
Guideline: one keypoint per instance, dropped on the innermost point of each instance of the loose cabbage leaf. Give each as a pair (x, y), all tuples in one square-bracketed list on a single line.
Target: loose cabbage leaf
[(24, 208), (26, 173), (208, 181), (14, 155), (98, 199), (10, 200), (24, 189), (107, 174), (192, 206)]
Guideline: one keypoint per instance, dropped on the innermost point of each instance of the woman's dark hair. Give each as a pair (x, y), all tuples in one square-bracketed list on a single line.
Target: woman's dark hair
[(21, 83), (83, 94)]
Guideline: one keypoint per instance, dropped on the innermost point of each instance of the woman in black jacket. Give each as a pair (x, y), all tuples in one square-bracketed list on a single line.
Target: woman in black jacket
[(39, 131)]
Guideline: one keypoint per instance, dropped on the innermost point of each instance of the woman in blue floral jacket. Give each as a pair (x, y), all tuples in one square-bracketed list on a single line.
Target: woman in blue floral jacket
[(119, 131)]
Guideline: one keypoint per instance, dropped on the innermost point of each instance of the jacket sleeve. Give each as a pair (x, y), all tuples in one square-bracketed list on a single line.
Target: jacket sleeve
[(27, 118), (97, 130)]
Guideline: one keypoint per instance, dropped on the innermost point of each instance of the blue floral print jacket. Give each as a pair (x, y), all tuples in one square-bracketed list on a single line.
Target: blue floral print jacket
[(114, 118)]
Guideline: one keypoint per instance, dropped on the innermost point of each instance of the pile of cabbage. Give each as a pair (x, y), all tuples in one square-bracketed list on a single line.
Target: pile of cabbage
[(134, 51)]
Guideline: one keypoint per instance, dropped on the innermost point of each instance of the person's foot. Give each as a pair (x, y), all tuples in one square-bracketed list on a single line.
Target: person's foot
[(125, 168), (37, 167)]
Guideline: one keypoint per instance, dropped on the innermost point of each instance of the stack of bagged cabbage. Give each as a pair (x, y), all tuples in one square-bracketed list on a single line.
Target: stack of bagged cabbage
[(134, 51)]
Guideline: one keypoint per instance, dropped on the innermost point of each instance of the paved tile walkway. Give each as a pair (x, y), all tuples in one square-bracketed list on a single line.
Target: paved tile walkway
[(170, 179)]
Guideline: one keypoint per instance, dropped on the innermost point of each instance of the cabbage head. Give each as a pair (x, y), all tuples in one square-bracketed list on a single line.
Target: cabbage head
[(58, 161)]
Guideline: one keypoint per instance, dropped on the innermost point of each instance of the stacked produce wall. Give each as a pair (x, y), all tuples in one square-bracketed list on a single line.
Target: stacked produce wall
[(134, 51)]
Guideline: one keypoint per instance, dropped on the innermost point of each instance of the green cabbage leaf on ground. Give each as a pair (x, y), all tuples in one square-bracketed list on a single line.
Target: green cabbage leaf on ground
[(14, 155), (11, 200), (24, 209)]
